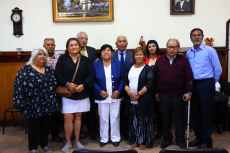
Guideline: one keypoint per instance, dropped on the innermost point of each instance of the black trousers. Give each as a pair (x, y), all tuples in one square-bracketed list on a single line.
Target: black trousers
[(91, 115), (124, 119), (158, 115), (167, 106), (221, 110), (56, 121), (38, 129), (201, 109)]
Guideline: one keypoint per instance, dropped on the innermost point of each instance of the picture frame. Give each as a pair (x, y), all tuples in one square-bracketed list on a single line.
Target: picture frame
[(188, 7), (82, 10)]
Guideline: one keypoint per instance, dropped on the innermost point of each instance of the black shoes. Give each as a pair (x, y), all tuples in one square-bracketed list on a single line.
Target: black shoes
[(116, 144), (92, 135), (57, 138), (158, 135), (165, 144), (205, 146), (220, 130), (181, 144), (194, 143), (102, 144), (126, 137)]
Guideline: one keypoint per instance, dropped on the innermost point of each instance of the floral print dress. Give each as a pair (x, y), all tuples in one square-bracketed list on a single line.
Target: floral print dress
[(34, 92)]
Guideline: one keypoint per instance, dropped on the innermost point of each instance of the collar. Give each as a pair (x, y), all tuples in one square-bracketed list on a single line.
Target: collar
[(124, 52), (201, 47), (83, 49), (172, 58), (55, 56)]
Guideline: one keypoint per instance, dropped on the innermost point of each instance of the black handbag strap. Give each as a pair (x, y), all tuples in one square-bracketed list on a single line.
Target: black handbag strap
[(76, 68)]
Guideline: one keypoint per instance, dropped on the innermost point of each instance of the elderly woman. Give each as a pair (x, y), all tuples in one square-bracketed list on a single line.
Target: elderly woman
[(72, 107), (34, 94), (108, 86), (138, 83), (152, 51)]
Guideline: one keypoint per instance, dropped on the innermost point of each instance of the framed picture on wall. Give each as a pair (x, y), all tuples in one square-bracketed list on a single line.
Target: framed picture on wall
[(82, 10), (182, 7)]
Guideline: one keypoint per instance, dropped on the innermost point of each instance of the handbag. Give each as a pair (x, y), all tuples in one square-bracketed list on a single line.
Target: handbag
[(220, 98), (64, 91)]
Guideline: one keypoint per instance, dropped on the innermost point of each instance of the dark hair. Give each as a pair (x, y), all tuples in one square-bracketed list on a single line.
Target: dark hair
[(157, 46), (67, 44), (139, 49), (103, 47), (195, 30)]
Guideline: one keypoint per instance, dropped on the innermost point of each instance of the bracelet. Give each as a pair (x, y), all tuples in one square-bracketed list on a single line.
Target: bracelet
[(138, 94), (67, 84)]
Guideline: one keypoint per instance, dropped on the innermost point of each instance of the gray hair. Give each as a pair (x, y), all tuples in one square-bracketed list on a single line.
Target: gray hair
[(34, 52), (80, 33), (121, 36), (178, 44), (48, 39)]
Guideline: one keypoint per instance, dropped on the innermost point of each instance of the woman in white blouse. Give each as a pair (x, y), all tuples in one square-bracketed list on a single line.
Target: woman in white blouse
[(138, 83), (108, 86)]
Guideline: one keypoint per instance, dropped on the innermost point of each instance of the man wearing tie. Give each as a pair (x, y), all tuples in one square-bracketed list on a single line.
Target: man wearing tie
[(124, 56), (182, 5), (89, 52)]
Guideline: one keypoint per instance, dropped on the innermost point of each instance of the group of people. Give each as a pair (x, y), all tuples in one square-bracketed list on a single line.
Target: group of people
[(122, 83)]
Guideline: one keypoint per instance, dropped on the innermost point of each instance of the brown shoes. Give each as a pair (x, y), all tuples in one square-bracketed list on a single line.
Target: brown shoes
[(142, 147), (133, 145)]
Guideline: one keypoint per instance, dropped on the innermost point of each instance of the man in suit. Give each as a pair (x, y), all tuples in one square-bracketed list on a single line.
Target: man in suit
[(182, 5), (89, 52), (124, 56)]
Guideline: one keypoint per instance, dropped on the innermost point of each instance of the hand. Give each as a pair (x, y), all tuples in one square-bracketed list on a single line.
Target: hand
[(104, 94), (188, 97), (15, 109), (79, 88), (72, 87), (115, 94), (157, 97), (134, 96)]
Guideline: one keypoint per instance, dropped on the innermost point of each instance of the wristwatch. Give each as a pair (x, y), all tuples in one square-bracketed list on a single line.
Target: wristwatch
[(189, 93)]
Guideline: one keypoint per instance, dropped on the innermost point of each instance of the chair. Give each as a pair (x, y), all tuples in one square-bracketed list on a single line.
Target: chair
[(105, 151), (12, 111), (211, 150)]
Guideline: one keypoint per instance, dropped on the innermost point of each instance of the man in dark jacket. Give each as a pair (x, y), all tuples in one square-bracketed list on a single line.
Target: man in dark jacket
[(182, 5), (174, 83), (89, 52)]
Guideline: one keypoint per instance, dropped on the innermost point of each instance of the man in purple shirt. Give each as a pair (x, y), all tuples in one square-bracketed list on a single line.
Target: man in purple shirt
[(206, 70), (174, 84), (49, 45)]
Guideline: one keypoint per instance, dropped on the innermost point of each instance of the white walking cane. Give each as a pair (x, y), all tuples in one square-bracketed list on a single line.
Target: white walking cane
[(188, 124)]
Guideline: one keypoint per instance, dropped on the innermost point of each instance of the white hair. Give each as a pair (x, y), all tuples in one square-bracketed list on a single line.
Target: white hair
[(48, 39), (34, 52), (121, 36), (80, 33)]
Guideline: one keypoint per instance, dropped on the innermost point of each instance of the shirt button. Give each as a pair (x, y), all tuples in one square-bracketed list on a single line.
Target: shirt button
[(112, 76), (113, 81), (113, 86)]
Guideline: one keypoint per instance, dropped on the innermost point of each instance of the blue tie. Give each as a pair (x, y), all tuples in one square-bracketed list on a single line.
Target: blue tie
[(122, 59)]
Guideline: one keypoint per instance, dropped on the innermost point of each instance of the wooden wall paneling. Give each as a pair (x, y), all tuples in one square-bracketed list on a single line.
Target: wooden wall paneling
[(8, 73)]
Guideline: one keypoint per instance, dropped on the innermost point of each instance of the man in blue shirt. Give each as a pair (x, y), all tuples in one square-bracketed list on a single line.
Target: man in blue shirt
[(206, 70)]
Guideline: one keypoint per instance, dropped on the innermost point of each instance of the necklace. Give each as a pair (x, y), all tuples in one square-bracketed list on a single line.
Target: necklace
[(74, 59)]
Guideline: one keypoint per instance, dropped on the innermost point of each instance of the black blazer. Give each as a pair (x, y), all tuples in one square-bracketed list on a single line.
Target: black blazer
[(186, 6), (64, 72), (145, 102), (92, 55)]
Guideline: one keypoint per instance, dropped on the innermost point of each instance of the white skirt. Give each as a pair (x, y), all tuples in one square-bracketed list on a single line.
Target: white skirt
[(75, 106)]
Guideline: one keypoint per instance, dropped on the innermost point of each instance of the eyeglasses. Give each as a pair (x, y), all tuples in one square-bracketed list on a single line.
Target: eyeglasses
[(124, 41), (83, 38), (172, 47), (198, 35)]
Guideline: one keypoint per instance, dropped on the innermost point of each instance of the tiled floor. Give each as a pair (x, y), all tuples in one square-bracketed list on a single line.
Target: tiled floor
[(16, 141)]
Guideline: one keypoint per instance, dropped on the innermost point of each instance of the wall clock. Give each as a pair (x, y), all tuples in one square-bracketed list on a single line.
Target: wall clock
[(16, 17)]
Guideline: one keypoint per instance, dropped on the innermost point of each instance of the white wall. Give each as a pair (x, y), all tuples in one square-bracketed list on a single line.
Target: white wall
[(132, 18)]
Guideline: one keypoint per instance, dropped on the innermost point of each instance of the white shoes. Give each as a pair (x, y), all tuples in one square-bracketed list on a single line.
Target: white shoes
[(78, 145), (66, 147)]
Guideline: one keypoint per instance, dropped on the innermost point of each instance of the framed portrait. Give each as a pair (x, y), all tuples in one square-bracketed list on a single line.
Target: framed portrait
[(182, 7), (82, 10)]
